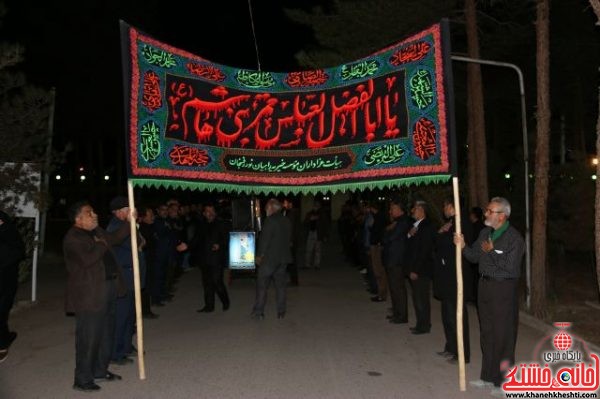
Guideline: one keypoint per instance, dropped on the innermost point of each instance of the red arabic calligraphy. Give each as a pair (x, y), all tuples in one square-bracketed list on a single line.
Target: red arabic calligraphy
[(306, 78), (233, 118), (151, 97), (410, 53), (424, 138), (188, 156), (206, 71)]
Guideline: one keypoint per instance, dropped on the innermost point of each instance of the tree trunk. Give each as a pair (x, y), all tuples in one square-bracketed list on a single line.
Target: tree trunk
[(476, 120), (596, 6), (471, 157), (540, 194)]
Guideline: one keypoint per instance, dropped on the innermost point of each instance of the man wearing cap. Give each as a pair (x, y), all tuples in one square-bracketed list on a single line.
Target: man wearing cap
[(94, 281), (125, 313)]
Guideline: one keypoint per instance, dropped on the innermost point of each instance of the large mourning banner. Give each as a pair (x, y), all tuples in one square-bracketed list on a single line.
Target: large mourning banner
[(379, 121)]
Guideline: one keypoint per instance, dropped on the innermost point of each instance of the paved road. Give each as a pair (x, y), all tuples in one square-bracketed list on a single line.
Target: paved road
[(334, 343)]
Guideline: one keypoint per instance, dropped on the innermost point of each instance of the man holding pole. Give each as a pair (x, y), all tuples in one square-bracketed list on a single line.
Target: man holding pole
[(125, 313), (445, 284), (499, 251), (94, 281)]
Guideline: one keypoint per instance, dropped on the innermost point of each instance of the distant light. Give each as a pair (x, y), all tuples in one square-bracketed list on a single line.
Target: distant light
[(57, 177), (594, 177), (507, 175), (81, 169), (594, 161), (531, 176), (82, 177), (106, 177)]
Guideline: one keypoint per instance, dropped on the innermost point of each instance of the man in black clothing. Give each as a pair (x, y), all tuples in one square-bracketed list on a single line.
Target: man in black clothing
[(444, 283), (394, 248), (499, 251), (419, 265), (292, 214), (207, 250), (94, 282), (12, 251), (376, 232), (272, 258)]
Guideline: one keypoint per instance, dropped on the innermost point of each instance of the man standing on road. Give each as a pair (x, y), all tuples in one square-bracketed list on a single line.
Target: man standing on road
[(12, 251), (394, 248), (208, 252), (419, 264), (94, 281), (499, 251), (272, 258)]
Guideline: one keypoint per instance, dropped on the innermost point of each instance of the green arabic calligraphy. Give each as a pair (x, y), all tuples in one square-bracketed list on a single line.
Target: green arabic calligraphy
[(150, 143), (421, 89), (384, 155), (359, 70), (158, 57), (255, 79), (283, 165)]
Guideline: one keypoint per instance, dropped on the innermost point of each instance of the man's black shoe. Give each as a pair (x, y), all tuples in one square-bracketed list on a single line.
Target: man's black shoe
[(87, 387), (280, 315), (11, 337), (150, 315), (416, 331), (394, 320), (109, 377), (257, 316), (3, 354), (122, 361), (226, 306), (445, 354), (454, 360), (377, 299), (205, 310)]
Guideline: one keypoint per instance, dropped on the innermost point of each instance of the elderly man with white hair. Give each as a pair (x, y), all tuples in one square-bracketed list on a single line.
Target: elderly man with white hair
[(499, 251)]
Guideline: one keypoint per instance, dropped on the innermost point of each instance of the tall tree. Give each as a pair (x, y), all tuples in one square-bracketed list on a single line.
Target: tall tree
[(477, 153), (23, 127), (596, 6), (351, 29), (540, 194)]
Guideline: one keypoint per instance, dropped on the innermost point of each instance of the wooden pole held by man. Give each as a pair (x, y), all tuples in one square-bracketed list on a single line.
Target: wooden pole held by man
[(459, 292), (136, 281)]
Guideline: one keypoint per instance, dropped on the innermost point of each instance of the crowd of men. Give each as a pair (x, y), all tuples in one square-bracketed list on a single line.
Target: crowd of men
[(407, 249), (401, 251)]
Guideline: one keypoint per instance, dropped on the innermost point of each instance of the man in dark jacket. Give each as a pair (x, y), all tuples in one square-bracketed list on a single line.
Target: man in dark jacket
[(419, 264), (444, 283), (394, 248), (125, 316), (207, 250), (272, 258), (12, 251), (94, 281)]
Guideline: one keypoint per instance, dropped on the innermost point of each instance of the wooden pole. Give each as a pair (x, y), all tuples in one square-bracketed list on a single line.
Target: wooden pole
[(136, 282), (459, 292)]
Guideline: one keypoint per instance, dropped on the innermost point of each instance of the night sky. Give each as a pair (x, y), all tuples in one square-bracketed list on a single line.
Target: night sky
[(76, 49)]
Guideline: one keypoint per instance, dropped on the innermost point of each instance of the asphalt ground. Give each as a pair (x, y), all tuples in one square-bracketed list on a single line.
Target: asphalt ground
[(333, 343)]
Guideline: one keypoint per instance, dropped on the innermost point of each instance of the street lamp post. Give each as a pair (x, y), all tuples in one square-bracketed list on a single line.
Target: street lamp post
[(525, 158)]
